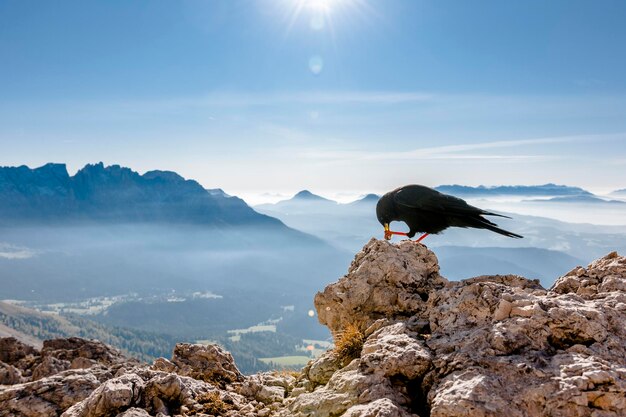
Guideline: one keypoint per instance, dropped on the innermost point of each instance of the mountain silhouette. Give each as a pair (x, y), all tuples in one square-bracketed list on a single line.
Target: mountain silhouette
[(524, 190), (116, 194)]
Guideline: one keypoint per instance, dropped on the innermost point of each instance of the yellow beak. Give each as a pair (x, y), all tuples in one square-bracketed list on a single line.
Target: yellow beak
[(387, 234)]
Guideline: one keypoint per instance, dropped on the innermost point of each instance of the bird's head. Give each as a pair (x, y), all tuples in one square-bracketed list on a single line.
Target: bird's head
[(385, 210)]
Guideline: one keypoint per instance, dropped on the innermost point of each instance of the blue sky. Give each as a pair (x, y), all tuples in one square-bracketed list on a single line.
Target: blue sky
[(332, 95)]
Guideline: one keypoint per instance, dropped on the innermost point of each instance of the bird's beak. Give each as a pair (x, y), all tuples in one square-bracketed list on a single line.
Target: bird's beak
[(387, 232)]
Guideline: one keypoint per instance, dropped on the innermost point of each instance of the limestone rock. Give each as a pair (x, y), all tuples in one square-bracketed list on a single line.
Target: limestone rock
[(12, 350), (333, 399), (379, 408), (209, 363), (602, 276), (48, 396), (157, 393), (395, 352), (485, 346), (385, 280), (9, 374), (134, 412), (76, 348), (49, 366), (113, 396), (268, 387), (320, 370)]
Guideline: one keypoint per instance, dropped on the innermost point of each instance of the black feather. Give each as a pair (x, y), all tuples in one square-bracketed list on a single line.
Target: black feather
[(428, 211)]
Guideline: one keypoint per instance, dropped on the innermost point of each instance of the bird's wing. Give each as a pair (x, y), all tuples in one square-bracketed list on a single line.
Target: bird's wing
[(424, 198)]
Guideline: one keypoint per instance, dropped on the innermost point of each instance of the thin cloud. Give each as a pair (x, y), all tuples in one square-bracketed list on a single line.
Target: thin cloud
[(460, 151), (273, 99), (8, 251)]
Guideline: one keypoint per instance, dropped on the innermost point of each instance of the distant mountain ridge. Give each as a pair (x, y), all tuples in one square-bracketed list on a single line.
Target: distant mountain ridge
[(368, 199), (577, 199), (306, 195), (116, 194), (524, 190)]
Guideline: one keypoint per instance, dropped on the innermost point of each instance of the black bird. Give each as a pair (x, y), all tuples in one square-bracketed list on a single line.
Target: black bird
[(429, 211)]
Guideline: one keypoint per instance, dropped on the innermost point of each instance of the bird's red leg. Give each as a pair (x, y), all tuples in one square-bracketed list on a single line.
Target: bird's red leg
[(422, 237), (389, 233)]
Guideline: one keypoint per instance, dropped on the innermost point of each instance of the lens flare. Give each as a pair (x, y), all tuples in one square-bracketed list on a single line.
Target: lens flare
[(317, 22), (316, 64)]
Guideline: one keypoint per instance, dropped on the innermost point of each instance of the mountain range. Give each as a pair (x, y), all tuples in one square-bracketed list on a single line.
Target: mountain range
[(520, 190), (584, 199), (152, 242), (549, 245), (116, 194)]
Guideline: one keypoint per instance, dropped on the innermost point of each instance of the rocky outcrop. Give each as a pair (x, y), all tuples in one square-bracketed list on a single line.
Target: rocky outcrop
[(82, 378), (391, 282), (418, 346), (486, 346), (47, 382), (209, 363)]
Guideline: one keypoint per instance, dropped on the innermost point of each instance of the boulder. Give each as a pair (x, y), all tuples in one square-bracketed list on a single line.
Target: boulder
[(208, 363), (48, 396), (385, 281)]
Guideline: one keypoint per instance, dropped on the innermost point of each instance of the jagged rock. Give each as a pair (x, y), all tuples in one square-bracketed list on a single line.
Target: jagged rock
[(602, 276), (50, 366), (268, 387), (485, 346), (379, 408), (320, 370), (134, 412), (395, 352), (48, 396), (9, 374), (12, 350), (209, 363), (77, 350), (390, 281), (110, 398), (158, 393), (333, 399), (58, 355)]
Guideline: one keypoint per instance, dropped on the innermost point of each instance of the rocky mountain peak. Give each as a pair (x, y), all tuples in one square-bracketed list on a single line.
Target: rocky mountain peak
[(115, 194), (58, 170), (408, 343)]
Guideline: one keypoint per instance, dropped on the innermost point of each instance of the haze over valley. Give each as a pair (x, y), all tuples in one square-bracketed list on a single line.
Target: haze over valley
[(159, 254)]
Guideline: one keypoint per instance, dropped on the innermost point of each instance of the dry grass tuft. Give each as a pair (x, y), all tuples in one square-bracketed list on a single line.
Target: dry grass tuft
[(213, 404), (348, 343), (283, 373)]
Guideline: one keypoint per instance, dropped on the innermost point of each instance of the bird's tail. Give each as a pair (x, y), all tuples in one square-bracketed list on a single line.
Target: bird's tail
[(488, 213), (482, 223)]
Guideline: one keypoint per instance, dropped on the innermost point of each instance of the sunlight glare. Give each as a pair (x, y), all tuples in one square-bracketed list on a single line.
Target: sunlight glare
[(324, 15), (320, 5)]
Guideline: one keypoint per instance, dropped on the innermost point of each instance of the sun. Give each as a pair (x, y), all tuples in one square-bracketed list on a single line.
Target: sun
[(320, 13), (323, 6)]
